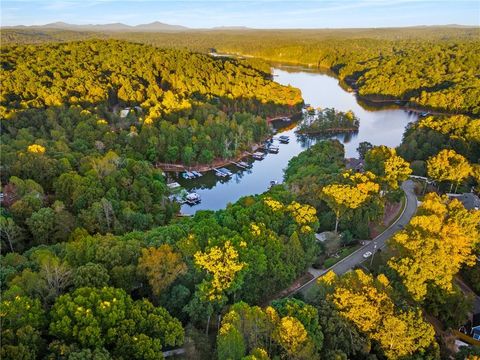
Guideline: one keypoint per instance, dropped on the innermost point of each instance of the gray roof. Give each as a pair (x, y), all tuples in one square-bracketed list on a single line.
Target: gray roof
[(470, 201), (354, 163)]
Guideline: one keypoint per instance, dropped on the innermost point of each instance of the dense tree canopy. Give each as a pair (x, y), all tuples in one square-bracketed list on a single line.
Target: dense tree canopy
[(366, 302), (434, 246), (87, 165), (435, 67)]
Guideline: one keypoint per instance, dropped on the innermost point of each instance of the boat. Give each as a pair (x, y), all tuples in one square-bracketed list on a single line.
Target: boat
[(243, 165), (226, 171), (284, 139), (173, 185), (222, 172), (188, 175), (273, 183), (258, 155), (423, 114), (196, 173), (219, 173), (273, 149), (192, 198)]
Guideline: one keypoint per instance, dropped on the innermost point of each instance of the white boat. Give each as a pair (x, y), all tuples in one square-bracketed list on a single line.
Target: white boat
[(173, 185), (188, 175), (220, 173), (196, 173), (273, 149), (258, 155), (192, 198), (226, 171), (243, 165)]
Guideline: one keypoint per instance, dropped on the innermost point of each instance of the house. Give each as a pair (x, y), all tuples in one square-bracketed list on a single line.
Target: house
[(475, 332), (357, 165), (124, 113), (322, 237), (469, 200)]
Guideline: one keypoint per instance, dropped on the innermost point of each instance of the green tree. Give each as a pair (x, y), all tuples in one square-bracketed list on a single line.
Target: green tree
[(22, 321), (11, 234), (109, 318), (42, 225), (90, 275)]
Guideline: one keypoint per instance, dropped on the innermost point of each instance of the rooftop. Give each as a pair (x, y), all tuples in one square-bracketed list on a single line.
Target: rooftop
[(469, 200)]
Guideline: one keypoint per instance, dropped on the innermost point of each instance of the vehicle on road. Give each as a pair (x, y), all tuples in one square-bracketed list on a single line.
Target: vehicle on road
[(367, 254)]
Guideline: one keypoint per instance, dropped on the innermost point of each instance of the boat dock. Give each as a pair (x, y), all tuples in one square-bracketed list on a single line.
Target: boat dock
[(242, 165)]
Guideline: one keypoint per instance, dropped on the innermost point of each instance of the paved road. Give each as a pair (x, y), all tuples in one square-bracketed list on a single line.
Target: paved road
[(380, 241)]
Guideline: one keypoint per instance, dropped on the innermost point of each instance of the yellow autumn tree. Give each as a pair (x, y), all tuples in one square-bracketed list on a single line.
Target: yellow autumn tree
[(223, 265), (293, 338), (365, 301), (343, 197), (390, 168), (435, 245), (304, 215), (161, 266), (447, 165), (36, 149)]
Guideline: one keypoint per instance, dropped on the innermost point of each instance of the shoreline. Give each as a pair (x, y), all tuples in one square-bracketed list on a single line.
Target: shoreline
[(350, 85), (327, 131), (178, 168)]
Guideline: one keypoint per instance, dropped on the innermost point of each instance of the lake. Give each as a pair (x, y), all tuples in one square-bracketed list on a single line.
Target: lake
[(379, 127)]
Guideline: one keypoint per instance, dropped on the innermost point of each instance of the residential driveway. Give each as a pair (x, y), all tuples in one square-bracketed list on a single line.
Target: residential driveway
[(380, 241)]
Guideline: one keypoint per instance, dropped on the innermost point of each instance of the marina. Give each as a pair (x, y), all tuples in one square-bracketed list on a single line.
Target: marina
[(256, 172)]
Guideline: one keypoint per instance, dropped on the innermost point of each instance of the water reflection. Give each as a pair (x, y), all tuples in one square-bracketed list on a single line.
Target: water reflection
[(384, 126)]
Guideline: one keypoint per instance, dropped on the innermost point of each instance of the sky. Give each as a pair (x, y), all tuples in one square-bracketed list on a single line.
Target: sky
[(255, 14)]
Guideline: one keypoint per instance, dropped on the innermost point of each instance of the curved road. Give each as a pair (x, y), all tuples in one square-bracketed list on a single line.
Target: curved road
[(356, 258)]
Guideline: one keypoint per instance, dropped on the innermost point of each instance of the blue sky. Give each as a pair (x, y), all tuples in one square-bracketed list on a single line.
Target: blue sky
[(257, 14)]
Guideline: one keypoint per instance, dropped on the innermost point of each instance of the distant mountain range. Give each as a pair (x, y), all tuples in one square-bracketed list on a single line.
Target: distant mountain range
[(155, 26)]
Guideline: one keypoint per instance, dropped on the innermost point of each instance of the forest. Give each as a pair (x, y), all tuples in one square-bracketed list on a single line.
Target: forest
[(96, 265), (138, 294), (431, 67), (69, 159), (459, 135)]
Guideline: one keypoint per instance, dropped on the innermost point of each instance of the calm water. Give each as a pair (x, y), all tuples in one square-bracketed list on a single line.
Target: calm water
[(319, 90)]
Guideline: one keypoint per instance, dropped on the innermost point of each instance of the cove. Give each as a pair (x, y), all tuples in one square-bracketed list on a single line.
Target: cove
[(380, 126)]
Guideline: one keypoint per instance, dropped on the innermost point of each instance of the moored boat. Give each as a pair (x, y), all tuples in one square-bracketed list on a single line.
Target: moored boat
[(258, 155), (273, 149), (192, 198), (188, 175)]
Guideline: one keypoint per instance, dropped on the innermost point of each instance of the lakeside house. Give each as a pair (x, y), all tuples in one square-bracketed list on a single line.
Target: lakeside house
[(470, 200), (357, 165)]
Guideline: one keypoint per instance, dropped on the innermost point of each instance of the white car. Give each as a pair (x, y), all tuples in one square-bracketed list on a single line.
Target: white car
[(367, 254)]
